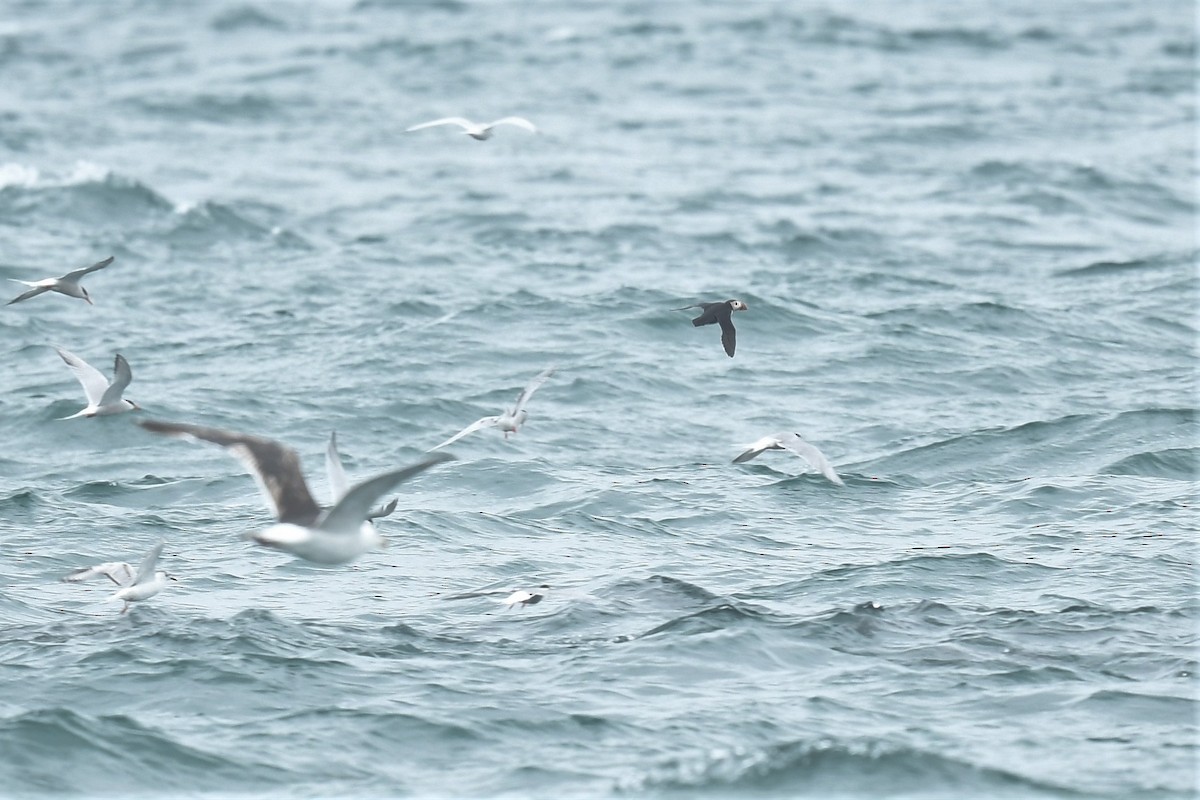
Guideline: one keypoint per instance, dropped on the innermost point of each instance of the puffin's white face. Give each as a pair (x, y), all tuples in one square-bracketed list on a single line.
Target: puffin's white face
[(738, 305)]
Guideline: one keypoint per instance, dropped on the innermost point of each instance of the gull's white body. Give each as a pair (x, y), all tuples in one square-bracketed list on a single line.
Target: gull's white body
[(104, 397), (320, 546), (68, 284), (476, 130), (524, 597), (511, 420), (794, 443), (135, 586)]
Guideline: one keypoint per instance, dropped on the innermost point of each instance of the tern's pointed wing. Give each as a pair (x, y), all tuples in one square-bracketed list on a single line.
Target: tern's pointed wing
[(122, 375), (520, 122), (34, 292), (275, 467), (383, 511), (809, 452), (352, 510), (145, 572), (118, 572), (485, 422), (338, 483), (465, 124), (527, 392), (79, 273), (94, 383)]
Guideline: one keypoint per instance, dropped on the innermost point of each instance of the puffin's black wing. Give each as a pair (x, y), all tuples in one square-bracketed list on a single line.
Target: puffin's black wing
[(728, 334), (712, 313)]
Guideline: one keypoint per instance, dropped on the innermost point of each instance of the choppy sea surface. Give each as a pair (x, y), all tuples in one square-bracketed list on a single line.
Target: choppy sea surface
[(966, 235)]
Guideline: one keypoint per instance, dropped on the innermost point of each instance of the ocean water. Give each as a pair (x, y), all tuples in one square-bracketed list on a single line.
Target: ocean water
[(967, 239)]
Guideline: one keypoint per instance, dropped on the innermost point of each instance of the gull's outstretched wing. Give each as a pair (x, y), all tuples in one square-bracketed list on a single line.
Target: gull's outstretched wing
[(533, 386), (520, 122), (75, 275), (95, 385), (352, 510), (338, 483), (118, 572), (796, 444), (122, 375), (465, 124), (275, 467), (757, 449), (485, 422), (145, 572)]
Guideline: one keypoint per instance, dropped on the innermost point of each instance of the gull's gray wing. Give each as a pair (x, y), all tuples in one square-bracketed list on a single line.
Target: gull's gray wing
[(383, 511), (145, 572), (338, 483), (75, 275), (466, 124), (95, 385), (520, 122), (122, 375), (533, 386), (809, 452), (275, 467), (352, 510), (118, 572), (484, 422)]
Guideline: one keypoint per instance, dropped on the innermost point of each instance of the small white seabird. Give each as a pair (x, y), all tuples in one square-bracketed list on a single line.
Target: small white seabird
[(511, 420), (103, 396), (524, 597), (135, 586), (335, 536), (792, 442), (68, 284), (474, 129), (339, 484)]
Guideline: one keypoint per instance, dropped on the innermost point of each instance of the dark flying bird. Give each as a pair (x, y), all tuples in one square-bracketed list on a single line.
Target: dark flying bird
[(68, 284), (719, 313), (336, 536)]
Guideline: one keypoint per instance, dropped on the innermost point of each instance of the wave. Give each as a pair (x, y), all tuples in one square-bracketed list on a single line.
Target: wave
[(827, 767), (115, 754)]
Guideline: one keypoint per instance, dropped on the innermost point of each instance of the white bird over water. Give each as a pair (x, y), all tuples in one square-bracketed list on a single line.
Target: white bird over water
[(335, 536), (339, 484), (511, 420), (103, 396), (135, 586), (525, 597), (476, 130), (68, 284), (794, 443)]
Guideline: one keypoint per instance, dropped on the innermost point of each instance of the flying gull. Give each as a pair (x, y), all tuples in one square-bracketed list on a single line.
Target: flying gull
[(719, 313), (339, 484), (524, 597), (792, 442), (510, 420), (336, 536), (135, 586), (68, 284), (474, 129), (103, 396)]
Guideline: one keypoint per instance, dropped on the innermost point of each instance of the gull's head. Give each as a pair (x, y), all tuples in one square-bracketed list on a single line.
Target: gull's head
[(737, 305)]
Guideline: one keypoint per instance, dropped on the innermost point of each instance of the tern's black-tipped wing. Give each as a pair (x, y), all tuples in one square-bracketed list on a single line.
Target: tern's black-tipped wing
[(275, 467)]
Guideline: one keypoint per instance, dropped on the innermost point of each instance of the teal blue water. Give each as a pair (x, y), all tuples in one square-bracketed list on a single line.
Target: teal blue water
[(967, 241)]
